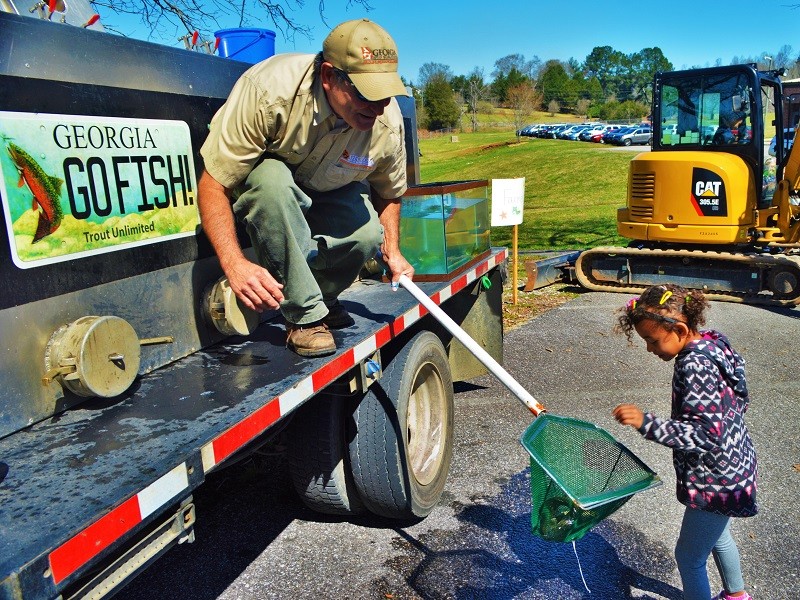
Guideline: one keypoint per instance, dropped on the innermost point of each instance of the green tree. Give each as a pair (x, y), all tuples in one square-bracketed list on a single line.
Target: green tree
[(503, 83), (553, 82), (606, 64), (441, 109), (513, 70), (459, 84), (643, 67), (629, 110), (594, 91)]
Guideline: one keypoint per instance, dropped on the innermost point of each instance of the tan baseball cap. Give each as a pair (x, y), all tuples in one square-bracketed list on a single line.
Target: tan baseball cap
[(368, 54)]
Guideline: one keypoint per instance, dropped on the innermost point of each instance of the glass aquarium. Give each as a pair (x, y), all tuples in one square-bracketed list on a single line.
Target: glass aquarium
[(444, 226)]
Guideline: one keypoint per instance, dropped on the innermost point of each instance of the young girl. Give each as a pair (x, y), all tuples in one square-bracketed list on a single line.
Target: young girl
[(713, 455)]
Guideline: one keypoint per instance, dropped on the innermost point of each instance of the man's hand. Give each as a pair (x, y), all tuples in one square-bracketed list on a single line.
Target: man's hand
[(628, 414), (254, 285), (389, 214), (398, 265)]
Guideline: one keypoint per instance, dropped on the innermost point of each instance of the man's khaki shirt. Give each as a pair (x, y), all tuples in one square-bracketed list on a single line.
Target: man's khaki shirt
[(277, 109)]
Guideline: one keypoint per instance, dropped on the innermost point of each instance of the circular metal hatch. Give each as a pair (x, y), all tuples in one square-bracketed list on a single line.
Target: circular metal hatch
[(95, 356), (229, 316)]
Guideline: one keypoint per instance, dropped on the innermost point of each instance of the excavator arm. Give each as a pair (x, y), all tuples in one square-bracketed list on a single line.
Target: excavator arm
[(785, 200)]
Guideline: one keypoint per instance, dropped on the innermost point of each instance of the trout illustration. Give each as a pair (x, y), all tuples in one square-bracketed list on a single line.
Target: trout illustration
[(45, 188)]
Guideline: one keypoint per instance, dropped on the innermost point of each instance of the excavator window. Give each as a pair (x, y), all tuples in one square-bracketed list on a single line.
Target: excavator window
[(706, 110)]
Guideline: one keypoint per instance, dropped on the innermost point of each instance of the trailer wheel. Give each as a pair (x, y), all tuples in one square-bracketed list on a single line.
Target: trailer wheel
[(317, 457), (401, 450)]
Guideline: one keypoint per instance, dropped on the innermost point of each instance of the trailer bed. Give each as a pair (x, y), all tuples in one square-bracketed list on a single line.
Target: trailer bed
[(83, 480)]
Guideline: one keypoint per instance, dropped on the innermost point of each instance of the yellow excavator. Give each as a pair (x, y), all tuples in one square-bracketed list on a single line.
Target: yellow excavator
[(709, 207)]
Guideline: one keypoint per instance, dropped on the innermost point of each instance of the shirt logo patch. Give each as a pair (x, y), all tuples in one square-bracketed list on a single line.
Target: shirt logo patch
[(353, 161)]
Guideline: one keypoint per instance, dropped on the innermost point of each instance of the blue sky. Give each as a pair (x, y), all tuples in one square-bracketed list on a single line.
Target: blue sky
[(471, 33)]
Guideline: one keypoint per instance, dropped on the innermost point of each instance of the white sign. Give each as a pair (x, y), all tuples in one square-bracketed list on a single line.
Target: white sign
[(508, 200)]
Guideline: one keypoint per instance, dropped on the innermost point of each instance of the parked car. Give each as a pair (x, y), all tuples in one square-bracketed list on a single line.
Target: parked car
[(529, 130), (603, 135), (635, 135), (573, 132), (562, 133), (609, 136), (587, 133), (553, 133), (597, 137), (545, 131), (540, 132)]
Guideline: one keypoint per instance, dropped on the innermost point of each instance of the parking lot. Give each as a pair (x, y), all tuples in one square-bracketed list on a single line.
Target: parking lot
[(617, 134)]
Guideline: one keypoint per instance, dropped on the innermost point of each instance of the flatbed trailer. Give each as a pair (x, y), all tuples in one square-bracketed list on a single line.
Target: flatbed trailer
[(96, 481), (107, 473)]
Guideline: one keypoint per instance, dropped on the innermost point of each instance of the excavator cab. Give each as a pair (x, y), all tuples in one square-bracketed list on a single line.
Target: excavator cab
[(709, 172), (710, 207)]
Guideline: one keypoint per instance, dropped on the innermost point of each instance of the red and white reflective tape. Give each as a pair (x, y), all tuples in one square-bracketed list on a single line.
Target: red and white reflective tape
[(76, 552), (255, 424), (80, 549)]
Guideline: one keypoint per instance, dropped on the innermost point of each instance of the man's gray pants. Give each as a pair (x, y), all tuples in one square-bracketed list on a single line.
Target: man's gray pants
[(314, 245)]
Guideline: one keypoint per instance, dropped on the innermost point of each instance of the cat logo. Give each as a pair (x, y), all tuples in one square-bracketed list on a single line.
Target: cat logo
[(708, 193)]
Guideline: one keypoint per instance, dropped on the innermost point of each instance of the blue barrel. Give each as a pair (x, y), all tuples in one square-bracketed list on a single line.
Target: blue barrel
[(246, 44)]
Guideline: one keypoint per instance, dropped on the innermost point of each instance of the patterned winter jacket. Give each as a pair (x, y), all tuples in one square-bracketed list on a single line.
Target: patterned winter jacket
[(714, 457)]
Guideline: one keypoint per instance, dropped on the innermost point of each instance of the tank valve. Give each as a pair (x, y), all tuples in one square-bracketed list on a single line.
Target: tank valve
[(224, 310), (94, 356)]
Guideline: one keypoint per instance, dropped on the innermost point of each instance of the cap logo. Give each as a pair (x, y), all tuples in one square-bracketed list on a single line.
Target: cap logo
[(379, 55)]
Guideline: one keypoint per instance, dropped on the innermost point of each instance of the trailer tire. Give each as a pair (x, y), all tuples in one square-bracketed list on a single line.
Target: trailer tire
[(403, 441), (317, 457)]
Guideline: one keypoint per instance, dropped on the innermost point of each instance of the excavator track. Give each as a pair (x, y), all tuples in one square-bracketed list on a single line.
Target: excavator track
[(746, 277)]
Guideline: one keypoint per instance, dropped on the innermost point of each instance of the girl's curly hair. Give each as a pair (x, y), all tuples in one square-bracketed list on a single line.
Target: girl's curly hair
[(668, 304)]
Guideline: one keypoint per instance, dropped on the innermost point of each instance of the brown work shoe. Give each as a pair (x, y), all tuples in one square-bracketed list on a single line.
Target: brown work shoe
[(338, 317), (312, 339)]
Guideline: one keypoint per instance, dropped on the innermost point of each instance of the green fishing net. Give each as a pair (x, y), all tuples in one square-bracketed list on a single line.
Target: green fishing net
[(579, 475)]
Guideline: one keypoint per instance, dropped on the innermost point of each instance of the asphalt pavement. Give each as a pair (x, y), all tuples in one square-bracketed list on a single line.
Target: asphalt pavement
[(255, 540)]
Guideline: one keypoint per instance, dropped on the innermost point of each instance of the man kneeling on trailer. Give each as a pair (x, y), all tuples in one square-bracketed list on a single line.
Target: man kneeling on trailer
[(293, 154)]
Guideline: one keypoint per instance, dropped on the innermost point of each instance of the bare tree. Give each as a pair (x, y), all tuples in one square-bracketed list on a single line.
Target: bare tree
[(553, 107), (523, 100), (164, 16), (476, 91), (582, 107), (528, 68), (431, 71)]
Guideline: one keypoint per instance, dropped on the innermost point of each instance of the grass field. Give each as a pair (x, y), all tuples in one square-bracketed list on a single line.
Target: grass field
[(572, 189), (503, 119)]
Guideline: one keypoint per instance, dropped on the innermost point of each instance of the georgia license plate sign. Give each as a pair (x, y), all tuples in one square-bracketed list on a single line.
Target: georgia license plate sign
[(75, 186)]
